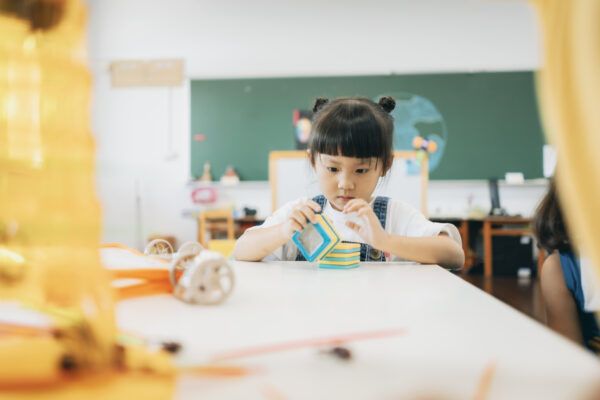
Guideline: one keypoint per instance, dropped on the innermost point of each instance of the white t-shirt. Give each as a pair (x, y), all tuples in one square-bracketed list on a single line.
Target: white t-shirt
[(402, 220)]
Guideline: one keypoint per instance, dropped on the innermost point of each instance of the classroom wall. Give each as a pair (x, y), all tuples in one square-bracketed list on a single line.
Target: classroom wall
[(143, 133)]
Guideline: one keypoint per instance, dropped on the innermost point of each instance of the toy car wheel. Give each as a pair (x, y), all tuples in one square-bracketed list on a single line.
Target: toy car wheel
[(158, 247)]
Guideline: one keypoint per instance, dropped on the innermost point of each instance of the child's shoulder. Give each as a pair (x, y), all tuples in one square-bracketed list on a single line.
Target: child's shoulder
[(286, 208), (282, 213), (406, 220), (399, 207), (560, 271)]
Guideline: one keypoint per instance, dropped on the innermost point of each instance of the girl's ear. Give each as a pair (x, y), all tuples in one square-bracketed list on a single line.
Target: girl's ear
[(386, 168)]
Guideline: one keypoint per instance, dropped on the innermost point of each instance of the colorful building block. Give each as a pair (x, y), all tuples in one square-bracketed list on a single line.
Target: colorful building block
[(316, 240)]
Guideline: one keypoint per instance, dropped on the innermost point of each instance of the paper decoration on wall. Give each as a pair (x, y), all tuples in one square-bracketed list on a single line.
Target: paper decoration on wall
[(146, 73), (424, 148), (302, 120)]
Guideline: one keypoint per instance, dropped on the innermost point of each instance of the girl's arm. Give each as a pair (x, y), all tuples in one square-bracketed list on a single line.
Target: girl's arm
[(561, 310), (439, 249), (256, 244)]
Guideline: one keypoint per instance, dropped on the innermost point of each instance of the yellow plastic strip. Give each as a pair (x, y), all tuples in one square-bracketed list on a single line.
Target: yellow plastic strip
[(333, 254), (351, 262)]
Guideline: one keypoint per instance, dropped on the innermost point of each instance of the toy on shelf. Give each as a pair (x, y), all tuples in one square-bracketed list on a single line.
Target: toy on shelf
[(230, 177), (206, 173)]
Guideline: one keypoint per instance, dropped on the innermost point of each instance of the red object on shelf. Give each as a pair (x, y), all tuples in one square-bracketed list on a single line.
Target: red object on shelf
[(204, 195)]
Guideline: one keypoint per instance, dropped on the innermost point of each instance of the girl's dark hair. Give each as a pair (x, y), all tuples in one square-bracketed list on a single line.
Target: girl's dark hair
[(353, 127), (548, 223)]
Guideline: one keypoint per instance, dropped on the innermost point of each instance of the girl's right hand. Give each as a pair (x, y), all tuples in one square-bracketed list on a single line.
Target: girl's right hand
[(300, 216)]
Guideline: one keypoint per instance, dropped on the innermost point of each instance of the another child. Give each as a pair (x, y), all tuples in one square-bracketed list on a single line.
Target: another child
[(350, 149), (563, 286)]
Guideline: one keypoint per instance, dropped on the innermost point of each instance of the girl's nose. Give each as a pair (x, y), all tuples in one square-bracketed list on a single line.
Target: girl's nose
[(345, 182)]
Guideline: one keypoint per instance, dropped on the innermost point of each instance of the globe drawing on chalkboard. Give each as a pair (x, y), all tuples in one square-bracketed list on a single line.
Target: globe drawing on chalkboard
[(416, 115)]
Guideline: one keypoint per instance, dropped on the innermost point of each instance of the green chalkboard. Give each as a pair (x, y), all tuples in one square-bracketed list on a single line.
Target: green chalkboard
[(490, 120)]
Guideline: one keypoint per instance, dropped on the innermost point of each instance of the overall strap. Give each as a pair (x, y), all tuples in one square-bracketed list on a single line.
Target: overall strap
[(320, 200), (380, 207), (367, 253)]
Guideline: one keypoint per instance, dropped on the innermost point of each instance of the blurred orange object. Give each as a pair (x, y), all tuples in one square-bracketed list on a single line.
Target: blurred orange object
[(50, 219), (569, 93)]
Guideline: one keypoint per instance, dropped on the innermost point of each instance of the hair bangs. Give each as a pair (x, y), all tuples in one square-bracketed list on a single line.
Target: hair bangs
[(349, 141)]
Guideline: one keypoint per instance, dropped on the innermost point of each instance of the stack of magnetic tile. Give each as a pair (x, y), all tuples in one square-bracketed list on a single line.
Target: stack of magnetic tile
[(344, 255)]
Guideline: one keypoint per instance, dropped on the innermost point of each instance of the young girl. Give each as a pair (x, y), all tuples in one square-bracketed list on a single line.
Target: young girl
[(563, 277), (350, 149)]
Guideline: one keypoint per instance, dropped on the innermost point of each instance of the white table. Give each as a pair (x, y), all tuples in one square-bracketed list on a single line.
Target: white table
[(453, 331)]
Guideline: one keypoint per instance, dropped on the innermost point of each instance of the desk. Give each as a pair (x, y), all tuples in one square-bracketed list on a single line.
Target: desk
[(504, 226), (452, 332)]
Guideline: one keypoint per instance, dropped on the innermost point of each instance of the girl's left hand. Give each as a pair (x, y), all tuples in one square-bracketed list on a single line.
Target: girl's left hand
[(370, 230)]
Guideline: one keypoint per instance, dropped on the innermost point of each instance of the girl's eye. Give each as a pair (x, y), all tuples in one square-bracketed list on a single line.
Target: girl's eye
[(362, 170), (332, 169)]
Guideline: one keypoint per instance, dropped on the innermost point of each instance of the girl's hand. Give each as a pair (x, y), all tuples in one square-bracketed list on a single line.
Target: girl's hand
[(369, 228), (300, 216)]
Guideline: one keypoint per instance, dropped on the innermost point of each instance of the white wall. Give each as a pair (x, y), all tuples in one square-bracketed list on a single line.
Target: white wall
[(240, 38), (143, 133)]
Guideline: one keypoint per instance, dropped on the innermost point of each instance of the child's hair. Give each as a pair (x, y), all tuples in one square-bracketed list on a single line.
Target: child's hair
[(353, 127), (548, 223)]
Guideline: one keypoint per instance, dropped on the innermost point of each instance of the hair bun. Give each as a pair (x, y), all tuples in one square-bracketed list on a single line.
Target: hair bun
[(319, 103), (387, 103)]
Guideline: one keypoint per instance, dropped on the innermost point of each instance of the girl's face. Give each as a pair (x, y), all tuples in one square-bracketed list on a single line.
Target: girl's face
[(345, 178)]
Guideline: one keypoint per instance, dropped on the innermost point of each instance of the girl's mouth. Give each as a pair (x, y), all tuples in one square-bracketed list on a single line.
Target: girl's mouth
[(345, 198)]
